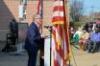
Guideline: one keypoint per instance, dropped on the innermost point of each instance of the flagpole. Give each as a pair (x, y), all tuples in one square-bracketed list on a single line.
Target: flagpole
[(42, 14), (67, 27)]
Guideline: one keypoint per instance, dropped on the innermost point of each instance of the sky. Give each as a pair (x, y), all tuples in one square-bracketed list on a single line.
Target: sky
[(90, 6)]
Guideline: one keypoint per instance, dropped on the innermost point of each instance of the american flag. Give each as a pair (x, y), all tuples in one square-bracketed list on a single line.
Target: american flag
[(40, 8), (60, 42), (40, 11)]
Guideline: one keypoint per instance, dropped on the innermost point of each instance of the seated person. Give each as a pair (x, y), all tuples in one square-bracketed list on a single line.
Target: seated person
[(95, 37), (83, 39), (77, 36), (12, 37)]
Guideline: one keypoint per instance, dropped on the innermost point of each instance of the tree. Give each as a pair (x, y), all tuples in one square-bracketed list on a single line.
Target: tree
[(76, 10)]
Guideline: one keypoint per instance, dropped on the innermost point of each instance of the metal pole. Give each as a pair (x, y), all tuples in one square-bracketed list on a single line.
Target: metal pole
[(50, 44)]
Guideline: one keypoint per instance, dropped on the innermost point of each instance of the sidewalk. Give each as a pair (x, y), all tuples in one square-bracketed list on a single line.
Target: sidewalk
[(7, 59), (13, 59)]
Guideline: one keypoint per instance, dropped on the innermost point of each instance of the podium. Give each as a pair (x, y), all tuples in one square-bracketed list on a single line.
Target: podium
[(47, 51)]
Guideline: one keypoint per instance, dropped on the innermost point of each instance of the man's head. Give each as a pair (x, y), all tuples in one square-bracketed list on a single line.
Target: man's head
[(97, 28), (38, 20), (13, 20)]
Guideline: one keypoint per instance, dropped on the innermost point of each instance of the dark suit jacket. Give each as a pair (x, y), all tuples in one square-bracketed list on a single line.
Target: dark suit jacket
[(13, 27), (33, 38)]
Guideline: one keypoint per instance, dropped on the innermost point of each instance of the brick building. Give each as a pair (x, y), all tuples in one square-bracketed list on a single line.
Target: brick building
[(10, 9)]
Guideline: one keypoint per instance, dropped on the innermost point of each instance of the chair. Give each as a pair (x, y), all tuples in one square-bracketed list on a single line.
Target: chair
[(10, 43)]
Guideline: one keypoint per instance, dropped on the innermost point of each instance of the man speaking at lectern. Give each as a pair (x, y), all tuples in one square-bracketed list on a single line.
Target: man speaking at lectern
[(34, 41)]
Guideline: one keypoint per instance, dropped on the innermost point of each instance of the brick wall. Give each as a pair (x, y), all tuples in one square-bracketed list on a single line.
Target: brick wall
[(9, 10)]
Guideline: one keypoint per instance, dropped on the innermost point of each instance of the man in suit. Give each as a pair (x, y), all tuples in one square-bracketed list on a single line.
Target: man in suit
[(33, 40)]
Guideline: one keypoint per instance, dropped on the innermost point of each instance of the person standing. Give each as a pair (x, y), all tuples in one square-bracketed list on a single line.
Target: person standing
[(14, 30), (33, 40), (12, 37)]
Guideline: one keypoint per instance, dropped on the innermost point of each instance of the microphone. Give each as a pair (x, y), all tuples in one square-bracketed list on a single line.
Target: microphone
[(48, 27)]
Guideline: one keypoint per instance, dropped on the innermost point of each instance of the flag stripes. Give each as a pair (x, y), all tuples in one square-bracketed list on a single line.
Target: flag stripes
[(58, 14), (59, 35), (59, 46)]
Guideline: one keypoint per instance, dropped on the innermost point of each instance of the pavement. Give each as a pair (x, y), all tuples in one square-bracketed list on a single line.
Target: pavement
[(78, 58), (12, 59), (7, 59), (83, 58)]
